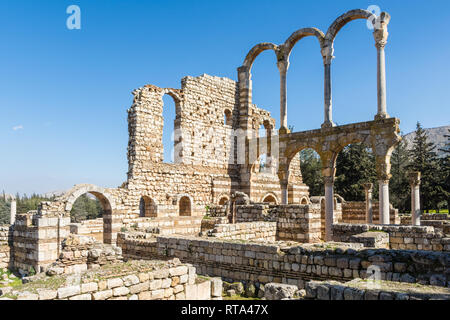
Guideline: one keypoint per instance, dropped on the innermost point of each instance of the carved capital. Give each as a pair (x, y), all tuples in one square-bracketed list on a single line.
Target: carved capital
[(368, 187), (380, 36), (328, 180), (414, 178), (327, 51)]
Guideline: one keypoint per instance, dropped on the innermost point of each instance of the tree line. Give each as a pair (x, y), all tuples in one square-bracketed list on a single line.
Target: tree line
[(355, 165)]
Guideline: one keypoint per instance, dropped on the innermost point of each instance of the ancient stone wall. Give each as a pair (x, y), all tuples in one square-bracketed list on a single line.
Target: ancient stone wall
[(80, 253), (259, 230), (294, 222), (92, 228), (381, 290), (5, 246), (5, 257), (292, 264), (400, 237), (166, 283), (355, 212)]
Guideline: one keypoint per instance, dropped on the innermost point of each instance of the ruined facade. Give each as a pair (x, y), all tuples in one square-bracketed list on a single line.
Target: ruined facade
[(218, 170)]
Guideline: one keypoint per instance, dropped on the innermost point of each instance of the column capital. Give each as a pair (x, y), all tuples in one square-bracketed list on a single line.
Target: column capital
[(368, 187), (327, 51), (384, 180), (328, 180), (283, 65), (414, 178), (380, 32), (380, 36)]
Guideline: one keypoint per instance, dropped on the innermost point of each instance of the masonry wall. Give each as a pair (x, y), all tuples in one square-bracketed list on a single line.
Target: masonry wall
[(400, 237), (176, 283), (282, 263), (294, 222), (5, 248), (355, 212), (37, 240), (259, 230)]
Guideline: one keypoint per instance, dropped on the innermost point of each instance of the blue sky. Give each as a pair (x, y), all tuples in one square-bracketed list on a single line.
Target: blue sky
[(64, 93)]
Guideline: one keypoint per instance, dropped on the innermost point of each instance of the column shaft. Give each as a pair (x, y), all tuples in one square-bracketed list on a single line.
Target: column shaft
[(384, 202), (283, 98), (328, 116), (369, 210), (284, 193), (13, 212), (381, 82), (329, 209)]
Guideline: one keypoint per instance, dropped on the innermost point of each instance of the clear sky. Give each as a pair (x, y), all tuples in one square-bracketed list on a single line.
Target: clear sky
[(64, 93)]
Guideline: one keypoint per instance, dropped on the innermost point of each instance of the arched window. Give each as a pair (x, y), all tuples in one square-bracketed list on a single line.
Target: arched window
[(184, 206), (147, 207), (270, 199), (304, 201), (227, 117)]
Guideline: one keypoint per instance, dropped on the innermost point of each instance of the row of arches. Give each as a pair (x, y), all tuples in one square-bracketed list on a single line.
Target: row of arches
[(149, 209), (269, 198), (326, 42)]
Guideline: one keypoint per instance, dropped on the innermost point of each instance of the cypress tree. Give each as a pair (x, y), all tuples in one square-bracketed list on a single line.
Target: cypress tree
[(424, 159), (400, 195), (355, 165)]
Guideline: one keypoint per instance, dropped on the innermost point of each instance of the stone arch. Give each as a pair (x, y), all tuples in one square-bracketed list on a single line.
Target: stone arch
[(300, 34), (185, 206), (341, 21), (255, 51), (304, 200), (106, 201), (290, 154), (147, 207), (270, 198)]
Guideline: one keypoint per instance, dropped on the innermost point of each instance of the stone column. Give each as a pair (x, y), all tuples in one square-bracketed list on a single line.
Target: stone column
[(384, 201), (13, 210), (368, 188), (414, 182), (381, 34), (329, 207), (327, 55), (283, 66), (283, 175), (284, 192)]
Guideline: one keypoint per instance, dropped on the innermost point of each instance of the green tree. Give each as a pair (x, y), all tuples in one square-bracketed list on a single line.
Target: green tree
[(445, 165), (424, 159), (311, 168), (4, 211), (355, 165), (400, 195), (85, 208)]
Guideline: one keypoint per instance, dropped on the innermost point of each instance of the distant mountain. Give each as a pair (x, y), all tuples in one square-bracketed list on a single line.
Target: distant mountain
[(435, 135)]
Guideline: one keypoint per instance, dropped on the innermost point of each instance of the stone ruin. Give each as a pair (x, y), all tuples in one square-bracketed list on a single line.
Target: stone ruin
[(224, 213)]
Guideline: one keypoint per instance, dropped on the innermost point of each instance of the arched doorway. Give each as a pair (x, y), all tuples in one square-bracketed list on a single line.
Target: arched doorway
[(184, 206), (147, 207), (91, 215)]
